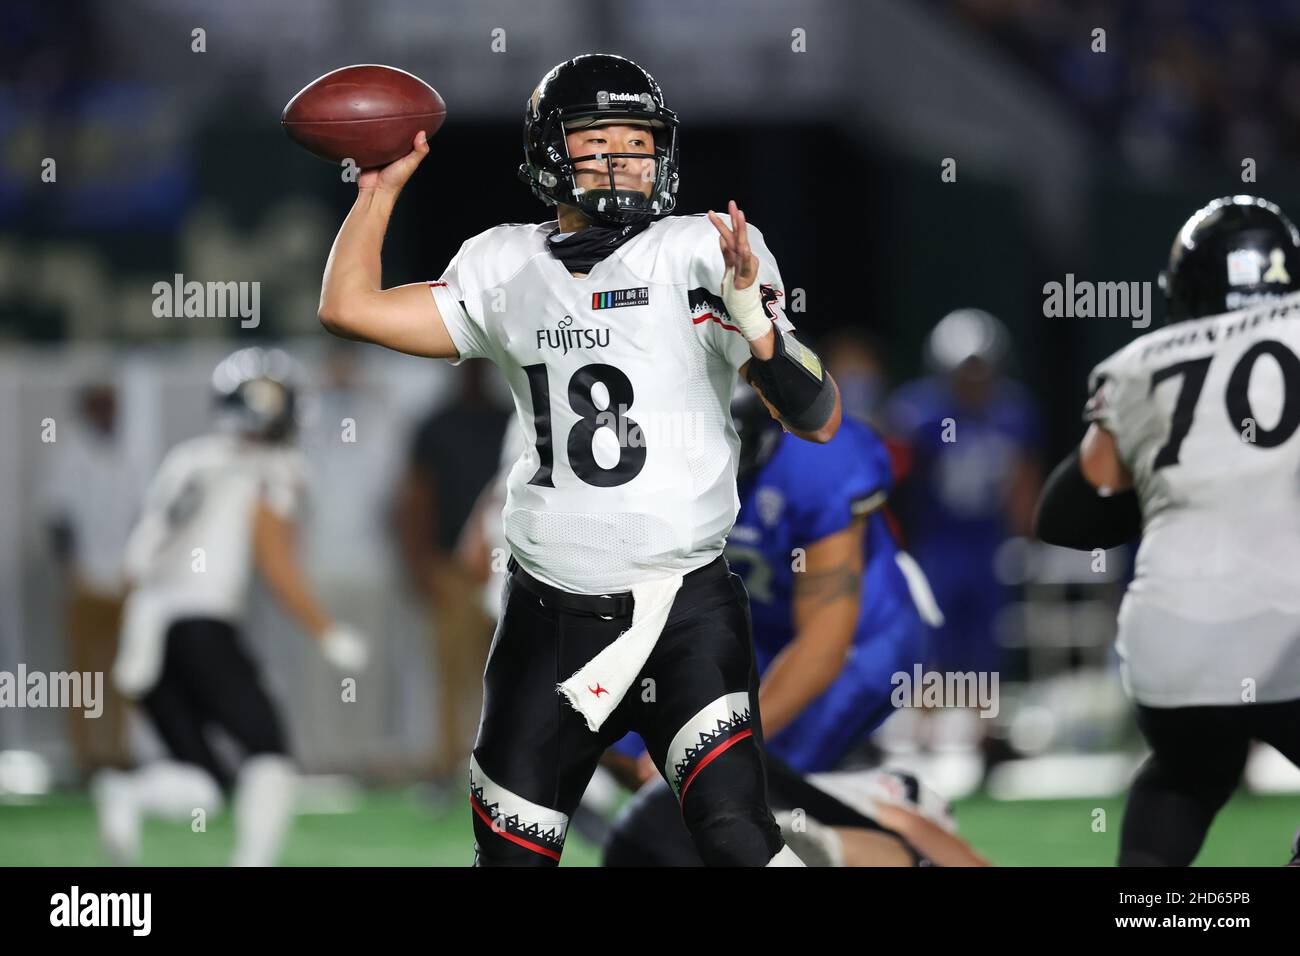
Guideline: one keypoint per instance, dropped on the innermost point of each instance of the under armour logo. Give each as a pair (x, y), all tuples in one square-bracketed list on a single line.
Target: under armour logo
[(598, 690)]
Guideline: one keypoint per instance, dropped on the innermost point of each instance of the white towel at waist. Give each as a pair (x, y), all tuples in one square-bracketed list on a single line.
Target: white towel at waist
[(599, 685)]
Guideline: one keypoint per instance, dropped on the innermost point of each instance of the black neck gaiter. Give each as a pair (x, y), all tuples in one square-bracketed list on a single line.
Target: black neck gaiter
[(581, 250)]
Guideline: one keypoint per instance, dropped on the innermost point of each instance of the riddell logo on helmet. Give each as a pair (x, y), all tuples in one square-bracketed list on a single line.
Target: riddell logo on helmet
[(604, 98)]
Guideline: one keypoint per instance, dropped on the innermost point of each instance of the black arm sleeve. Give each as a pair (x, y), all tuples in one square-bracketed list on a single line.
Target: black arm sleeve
[(1071, 513), (796, 384)]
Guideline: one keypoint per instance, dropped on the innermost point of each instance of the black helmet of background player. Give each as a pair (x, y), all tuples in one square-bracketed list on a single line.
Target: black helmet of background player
[(759, 433), (590, 90), (1233, 252), (255, 392)]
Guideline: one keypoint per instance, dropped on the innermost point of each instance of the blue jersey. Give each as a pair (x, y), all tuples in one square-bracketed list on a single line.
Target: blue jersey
[(962, 458), (806, 492), (963, 462)]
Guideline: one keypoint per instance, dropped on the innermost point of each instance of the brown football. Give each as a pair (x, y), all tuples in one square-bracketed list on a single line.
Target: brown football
[(367, 113)]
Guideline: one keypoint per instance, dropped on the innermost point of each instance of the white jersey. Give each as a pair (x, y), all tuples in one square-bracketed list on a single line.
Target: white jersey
[(494, 535), (191, 554), (1205, 416), (622, 380)]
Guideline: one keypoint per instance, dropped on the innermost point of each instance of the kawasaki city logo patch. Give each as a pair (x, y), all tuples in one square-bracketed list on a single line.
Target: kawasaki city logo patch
[(620, 297)]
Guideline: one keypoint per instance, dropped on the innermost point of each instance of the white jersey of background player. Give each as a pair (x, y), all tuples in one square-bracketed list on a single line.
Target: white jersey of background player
[(640, 343), (220, 505), (1204, 414), (192, 552)]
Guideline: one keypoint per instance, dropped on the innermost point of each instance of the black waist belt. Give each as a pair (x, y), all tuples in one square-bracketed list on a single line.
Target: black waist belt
[(608, 606)]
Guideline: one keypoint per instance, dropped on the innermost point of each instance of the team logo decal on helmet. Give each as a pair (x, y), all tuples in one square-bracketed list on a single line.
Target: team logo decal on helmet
[(591, 90)]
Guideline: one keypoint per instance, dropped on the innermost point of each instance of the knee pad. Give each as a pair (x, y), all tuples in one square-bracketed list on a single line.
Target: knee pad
[(510, 830), (737, 835), (709, 735)]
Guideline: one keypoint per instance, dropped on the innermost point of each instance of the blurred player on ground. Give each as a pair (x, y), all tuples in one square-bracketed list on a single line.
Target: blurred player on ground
[(837, 607)]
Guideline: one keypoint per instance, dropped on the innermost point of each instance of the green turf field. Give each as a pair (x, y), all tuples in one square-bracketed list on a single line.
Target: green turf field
[(401, 828)]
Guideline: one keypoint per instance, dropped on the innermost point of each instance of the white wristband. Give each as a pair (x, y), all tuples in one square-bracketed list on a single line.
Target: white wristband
[(745, 306)]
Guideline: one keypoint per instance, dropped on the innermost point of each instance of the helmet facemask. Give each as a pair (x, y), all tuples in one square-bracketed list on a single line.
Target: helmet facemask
[(599, 90), (607, 203)]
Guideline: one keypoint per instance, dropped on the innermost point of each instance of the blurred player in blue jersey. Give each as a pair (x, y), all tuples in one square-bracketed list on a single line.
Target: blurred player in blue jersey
[(837, 610), (833, 611), (973, 474)]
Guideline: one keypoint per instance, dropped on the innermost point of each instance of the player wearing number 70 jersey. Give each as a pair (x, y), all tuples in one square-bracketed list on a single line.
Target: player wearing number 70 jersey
[(1193, 441), (621, 331)]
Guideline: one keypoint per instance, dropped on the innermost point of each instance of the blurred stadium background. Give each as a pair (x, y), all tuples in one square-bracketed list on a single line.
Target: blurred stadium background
[(171, 161)]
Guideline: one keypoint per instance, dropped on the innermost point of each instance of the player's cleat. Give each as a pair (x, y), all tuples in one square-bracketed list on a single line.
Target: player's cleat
[(119, 816), (1295, 849), (815, 844)]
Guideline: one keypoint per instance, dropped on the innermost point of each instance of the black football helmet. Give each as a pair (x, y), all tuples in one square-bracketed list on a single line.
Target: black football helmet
[(1235, 251), (759, 433), (255, 393), (590, 90)]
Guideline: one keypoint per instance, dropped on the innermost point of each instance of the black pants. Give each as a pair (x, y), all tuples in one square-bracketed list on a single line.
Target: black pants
[(695, 703), (1197, 757), (209, 681)]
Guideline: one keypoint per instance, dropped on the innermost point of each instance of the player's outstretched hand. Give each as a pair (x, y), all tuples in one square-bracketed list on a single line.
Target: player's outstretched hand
[(344, 649), (393, 177), (734, 243)]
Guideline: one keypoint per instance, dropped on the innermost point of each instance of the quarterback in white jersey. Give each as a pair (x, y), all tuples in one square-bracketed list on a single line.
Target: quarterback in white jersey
[(220, 505), (1192, 442), (621, 331), (622, 380)]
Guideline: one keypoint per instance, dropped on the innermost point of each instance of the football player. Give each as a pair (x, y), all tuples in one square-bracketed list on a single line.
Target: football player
[(1191, 442), (837, 607), (859, 817), (220, 505), (620, 330), (971, 437)]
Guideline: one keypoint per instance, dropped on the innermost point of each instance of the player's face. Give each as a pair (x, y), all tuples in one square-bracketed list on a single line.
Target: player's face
[(637, 174), (972, 382)]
